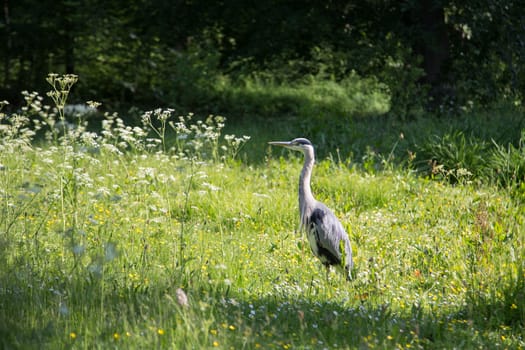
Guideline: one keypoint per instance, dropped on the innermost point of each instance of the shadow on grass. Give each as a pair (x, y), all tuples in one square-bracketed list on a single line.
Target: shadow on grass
[(42, 314), (19, 296), (302, 323)]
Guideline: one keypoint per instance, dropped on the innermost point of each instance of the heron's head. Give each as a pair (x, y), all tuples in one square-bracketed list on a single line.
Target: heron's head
[(298, 144)]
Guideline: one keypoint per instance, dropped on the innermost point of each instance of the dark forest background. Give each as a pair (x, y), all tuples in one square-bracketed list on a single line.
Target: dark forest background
[(400, 57)]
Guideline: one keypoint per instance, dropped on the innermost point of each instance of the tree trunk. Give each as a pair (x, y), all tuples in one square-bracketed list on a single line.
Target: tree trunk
[(8, 44), (70, 10), (434, 46)]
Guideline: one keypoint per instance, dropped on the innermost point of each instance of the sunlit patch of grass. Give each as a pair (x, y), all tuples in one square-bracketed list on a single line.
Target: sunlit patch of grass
[(108, 242)]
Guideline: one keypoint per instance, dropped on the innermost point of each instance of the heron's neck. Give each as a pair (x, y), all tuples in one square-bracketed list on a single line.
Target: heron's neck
[(305, 192)]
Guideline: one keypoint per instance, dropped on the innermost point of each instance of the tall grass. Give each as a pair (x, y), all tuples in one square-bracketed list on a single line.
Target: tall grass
[(268, 95), (127, 238)]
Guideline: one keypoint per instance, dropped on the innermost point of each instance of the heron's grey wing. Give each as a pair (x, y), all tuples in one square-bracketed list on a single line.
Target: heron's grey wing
[(329, 233)]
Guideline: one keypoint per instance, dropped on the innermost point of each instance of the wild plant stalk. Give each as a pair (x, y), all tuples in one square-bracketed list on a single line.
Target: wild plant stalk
[(162, 116), (234, 145), (182, 133), (388, 162), (185, 211), (60, 88), (4, 173)]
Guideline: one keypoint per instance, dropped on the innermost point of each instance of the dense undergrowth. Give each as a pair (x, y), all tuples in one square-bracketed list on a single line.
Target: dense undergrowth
[(167, 234)]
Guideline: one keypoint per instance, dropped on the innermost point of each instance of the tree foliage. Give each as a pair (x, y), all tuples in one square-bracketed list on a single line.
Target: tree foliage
[(430, 53)]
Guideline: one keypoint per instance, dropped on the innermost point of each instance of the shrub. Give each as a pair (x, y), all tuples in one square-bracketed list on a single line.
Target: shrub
[(455, 156), (508, 163)]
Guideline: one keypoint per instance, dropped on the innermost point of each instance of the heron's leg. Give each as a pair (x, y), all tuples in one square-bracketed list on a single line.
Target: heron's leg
[(348, 274)]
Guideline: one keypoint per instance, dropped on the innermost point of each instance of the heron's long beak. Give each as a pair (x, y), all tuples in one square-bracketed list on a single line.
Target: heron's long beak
[(280, 143)]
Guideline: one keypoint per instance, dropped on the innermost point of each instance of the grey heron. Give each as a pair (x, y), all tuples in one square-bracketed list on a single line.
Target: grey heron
[(326, 235)]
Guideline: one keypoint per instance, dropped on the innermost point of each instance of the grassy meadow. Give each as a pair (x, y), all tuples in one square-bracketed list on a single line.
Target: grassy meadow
[(171, 235)]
